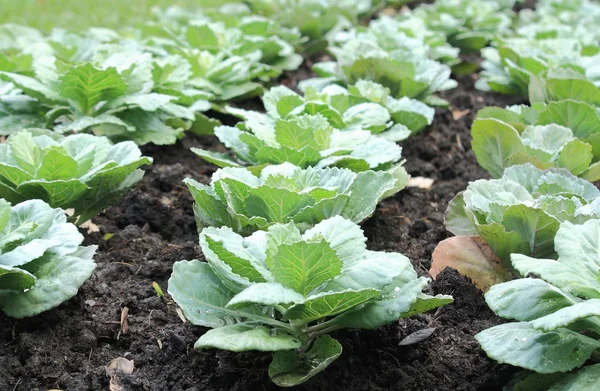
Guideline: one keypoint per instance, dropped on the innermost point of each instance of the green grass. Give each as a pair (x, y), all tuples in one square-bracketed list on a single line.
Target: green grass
[(80, 14)]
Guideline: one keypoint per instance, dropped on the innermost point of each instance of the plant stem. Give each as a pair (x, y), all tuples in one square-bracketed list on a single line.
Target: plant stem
[(321, 326), (326, 330)]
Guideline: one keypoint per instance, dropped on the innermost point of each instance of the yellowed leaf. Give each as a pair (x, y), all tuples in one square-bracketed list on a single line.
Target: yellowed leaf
[(472, 258)]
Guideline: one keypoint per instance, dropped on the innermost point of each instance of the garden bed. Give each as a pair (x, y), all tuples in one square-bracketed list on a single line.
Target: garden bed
[(153, 226)]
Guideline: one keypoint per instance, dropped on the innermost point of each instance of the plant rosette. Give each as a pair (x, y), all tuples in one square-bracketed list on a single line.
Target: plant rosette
[(556, 306), (246, 202), (82, 172), (42, 262), (284, 291), (522, 211)]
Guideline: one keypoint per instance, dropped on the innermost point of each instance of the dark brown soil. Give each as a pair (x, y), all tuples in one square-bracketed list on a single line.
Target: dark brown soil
[(153, 226)]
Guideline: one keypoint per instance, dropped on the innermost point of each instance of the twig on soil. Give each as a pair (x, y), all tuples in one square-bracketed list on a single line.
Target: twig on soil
[(459, 143), (124, 325), (87, 367), (17, 384)]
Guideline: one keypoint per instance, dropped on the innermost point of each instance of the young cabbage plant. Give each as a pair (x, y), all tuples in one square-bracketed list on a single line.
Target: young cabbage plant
[(396, 34), (561, 133), (522, 211), (41, 261), (306, 141), (563, 84), (557, 313), (283, 291), (316, 19), (405, 72), (81, 172), (246, 202), (561, 19), (111, 96), (364, 105), (507, 69), (467, 24)]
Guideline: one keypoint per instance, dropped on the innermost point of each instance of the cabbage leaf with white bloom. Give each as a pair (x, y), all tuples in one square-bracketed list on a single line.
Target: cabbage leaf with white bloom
[(112, 97), (404, 72), (561, 129), (284, 193), (83, 172), (306, 141), (467, 24), (283, 291), (42, 262), (522, 211), (557, 314), (507, 68), (365, 105)]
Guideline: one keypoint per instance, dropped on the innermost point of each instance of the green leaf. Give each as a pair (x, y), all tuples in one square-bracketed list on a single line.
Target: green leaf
[(203, 297), (534, 227), (586, 378), (580, 117), (270, 294), (576, 156), (493, 143), (564, 317), (521, 345), (388, 309), (231, 259), (344, 237), (303, 266), (218, 159), (56, 164), (32, 87), (58, 279), (243, 337), (15, 280), (425, 303), (526, 299), (208, 208), (556, 273), (58, 193), (290, 368), (4, 213), (24, 151), (86, 86), (325, 304)]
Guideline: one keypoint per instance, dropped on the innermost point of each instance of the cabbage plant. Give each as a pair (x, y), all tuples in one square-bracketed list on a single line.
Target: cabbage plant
[(563, 132), (246, 202), (556, 307), (316, 19), (522, 211), (284, 291), (81, 172), (467, 24), (394, 34), (306, 141), (42, 262), (507, 68), (406, 72), (111, 97), (561, 19), (365, 105)]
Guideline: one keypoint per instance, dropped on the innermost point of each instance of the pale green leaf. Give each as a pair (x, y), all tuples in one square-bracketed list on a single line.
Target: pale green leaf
[(243, 337), (521, 345), (290, 368)]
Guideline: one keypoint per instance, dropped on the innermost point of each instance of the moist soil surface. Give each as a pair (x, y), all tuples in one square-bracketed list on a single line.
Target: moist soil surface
[(139, 239)]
